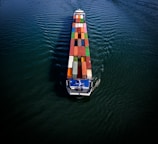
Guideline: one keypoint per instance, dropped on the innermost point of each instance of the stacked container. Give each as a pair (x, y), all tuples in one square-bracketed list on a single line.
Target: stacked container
[(84, 70), (75, 69), (79, 63)]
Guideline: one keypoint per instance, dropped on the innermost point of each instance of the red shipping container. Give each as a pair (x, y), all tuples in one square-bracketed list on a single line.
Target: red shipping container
[(86, 42), (71, 52), (72, 42), (75, 51), (84, 70), (77, 20), (78, 30), (81, 51), (73, 25), (88, 62)]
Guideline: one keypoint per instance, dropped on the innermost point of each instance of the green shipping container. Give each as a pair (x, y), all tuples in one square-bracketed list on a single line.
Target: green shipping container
[(73, 35), (81, 20), (75, 58), (86, 35), (87, 51)]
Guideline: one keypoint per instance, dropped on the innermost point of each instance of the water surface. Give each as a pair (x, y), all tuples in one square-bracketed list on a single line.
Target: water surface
[(34, 47)]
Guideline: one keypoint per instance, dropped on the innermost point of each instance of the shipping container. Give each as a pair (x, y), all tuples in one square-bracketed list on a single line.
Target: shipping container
[(73, 35), (89, 73), (86, 42), (69, 73), (71, 52), (78, 29), (79, 42), (86, 36), (83, 42), (76, 35), (81, 25), (81, 51), (79, 75), (70, 62), (85, 29), (88, 62), (87, 51), (76, 16), (73, 29), (75, 58), (82, 29), (78, 20), (81, 16), (81, 20), (76, 25), (75, 68), (83, 59), (84, 70), (82, 35), (79, 35), (72, 42), (85, 25), (73, 25), (76, 42), (75, 50)]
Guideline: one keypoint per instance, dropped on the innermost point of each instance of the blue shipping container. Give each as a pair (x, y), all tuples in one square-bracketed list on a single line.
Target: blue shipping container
[(73, 29), (82, 42)]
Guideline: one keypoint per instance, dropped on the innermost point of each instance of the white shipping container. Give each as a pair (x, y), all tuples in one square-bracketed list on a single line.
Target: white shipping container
[(70, 62), (75, 68), (76, 25), (89, 73), (81, 16)]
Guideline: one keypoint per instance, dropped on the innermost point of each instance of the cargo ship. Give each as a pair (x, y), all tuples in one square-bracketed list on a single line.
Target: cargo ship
[(79, 80)]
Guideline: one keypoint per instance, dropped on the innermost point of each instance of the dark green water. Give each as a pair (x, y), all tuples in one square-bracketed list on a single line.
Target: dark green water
[(34, 46)]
